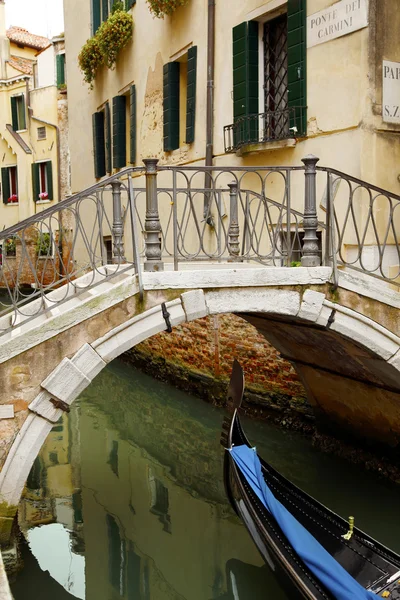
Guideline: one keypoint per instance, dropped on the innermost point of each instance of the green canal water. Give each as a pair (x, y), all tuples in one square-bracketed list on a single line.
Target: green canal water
[(126, 500)]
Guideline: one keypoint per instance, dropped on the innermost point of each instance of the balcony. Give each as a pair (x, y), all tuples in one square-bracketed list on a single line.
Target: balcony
[(249, 133)]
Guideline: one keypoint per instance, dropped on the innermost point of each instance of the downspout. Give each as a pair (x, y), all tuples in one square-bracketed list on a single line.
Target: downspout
[(210, 105)]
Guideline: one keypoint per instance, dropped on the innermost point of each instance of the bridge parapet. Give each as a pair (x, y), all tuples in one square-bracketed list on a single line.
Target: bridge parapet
[(157, 217)]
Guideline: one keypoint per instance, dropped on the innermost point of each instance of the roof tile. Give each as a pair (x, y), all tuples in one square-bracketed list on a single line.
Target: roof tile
[(18, 35), (21, 64)]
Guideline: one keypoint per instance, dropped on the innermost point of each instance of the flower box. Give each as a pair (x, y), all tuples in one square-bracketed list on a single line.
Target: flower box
[(13, 199), (43, 196)]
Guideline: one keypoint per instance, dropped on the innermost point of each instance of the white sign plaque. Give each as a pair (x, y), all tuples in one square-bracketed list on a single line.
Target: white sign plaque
[(339, 19), (391, 92)]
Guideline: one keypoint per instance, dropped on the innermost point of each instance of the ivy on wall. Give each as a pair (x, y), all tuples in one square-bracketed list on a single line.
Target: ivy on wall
[(103, 48), (160, 8)]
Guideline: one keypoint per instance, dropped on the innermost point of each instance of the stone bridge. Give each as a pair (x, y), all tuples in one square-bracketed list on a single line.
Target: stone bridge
[(84, 281), (343, 342)]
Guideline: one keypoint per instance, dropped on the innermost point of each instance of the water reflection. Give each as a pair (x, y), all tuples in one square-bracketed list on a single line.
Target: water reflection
[(126, 499)]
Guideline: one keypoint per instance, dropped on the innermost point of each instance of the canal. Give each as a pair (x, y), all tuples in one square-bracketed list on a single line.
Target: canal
[(126, 499)]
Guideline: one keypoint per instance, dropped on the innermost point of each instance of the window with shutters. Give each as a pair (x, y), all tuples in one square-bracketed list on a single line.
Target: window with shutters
[(102, 146), (9, 182), (60, 70), (18, 115), (269, 79), (119, 134), (180, 100), (42, 181)]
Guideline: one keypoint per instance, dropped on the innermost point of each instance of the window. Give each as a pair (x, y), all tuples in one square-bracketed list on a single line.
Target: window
[(160, 502), (101, 122), (41, 133), (108, 250), (9, 184), (113, 458), (119, 131), (273, 53), (42, 181), (179, 101), (18, 112), (116, 556), (60, 68), (275, 109), (101, 10)]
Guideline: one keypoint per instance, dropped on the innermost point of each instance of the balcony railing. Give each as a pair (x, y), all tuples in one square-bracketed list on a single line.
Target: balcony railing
[(270, 126)]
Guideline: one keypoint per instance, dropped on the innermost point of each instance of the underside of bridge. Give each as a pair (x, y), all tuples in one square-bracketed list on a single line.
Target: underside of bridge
[(352, 390)]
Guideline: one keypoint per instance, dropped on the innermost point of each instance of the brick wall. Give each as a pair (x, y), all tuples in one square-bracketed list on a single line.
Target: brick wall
[(208, 346)]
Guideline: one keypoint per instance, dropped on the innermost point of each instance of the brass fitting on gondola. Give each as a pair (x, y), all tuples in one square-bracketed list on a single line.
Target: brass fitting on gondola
[(347, 536)]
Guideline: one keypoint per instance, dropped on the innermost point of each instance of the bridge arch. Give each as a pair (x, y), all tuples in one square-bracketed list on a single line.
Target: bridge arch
[(348, 361)]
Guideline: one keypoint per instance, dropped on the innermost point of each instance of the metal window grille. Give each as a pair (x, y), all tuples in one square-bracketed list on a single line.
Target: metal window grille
[(276, 120)]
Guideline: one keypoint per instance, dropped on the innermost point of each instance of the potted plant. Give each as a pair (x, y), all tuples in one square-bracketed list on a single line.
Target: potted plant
[(43, 196), (114, 34), (44, 244), (90, 60), (13, 199), (10, 246), (160, 8)]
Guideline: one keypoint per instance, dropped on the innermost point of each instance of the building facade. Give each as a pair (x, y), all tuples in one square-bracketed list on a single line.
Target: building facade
[(33, 130), (287, 79)]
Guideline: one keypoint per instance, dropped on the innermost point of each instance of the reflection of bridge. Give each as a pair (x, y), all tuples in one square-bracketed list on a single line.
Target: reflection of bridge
[(76, 295)]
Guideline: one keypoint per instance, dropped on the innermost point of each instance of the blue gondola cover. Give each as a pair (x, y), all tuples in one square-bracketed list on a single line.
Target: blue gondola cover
[(324, 567)]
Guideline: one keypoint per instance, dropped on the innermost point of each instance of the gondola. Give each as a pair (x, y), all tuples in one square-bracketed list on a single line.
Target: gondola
[(314, 553)]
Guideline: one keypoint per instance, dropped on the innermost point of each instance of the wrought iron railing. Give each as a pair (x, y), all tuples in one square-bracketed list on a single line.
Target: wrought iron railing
[(156, 217), (269, 126)]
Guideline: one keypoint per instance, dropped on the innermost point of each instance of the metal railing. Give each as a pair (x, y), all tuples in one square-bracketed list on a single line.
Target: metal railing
[(155, 217), (271, 126)]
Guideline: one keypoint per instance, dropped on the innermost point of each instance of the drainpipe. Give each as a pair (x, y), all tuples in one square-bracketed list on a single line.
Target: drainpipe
[(210, 104)]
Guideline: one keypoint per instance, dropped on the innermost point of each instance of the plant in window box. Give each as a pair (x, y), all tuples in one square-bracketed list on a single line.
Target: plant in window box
[(90, 60), (43, 244), (13, 199), (113, 35), (10, 246), (160, 8), (43, 196)]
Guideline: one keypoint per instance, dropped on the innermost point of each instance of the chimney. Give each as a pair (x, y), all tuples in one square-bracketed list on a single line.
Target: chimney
[(4, 41)]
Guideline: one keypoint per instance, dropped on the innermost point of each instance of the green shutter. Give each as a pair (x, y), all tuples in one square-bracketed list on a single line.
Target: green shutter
[(99, 145), (119, 132), (107, 133), (191, 94), (171, 106), (22, 114), (14, 113), (35, 182), (96, 16), (105, 10), (49, 175), (245, 80), (297, 73), (133, 124), (60, 64), (129, 4), (5, 184)]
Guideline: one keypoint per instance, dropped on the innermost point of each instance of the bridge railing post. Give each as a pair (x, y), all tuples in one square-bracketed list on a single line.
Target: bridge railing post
[(117, 226), (152, 223), (233, 231), (311, 253)]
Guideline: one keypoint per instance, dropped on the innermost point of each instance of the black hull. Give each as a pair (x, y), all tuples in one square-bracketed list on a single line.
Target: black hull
[(368, 561)]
